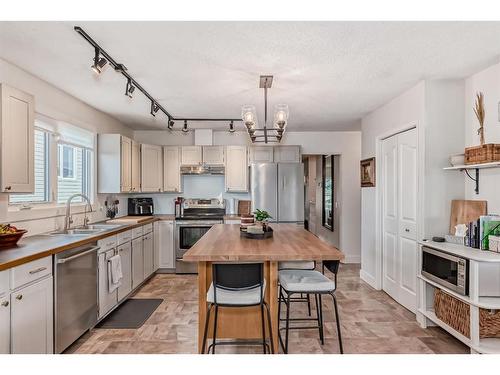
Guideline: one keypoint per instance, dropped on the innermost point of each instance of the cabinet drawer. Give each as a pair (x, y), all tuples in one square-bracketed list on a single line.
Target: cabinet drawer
[(148, 228), (137, 232), (29, 272), (124, 237), (4, 282), (107, 243)]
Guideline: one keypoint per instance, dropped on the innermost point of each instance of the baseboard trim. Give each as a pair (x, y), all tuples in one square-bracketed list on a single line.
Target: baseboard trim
[(367, 278), (353, 259)]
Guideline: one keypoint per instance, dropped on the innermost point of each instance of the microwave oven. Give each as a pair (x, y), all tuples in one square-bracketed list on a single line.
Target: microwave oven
[(446, 269)]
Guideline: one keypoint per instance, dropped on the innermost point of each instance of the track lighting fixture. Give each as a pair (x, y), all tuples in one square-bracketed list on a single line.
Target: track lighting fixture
[(99, 62), (129, 90), (154, 108), (185, 127), (170, 124), (231, 127)]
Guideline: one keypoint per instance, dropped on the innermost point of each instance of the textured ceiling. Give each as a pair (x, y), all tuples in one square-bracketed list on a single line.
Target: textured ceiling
[(329, 73)]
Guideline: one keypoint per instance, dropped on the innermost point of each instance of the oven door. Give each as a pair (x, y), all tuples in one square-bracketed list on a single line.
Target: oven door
[(446, 269), (188, 235)]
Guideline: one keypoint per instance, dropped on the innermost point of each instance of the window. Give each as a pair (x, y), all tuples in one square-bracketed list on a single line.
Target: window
[(42, 191), (74, 172), (67, 161)]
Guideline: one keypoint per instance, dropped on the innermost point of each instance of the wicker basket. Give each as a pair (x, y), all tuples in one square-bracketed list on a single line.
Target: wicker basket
[(452, 311), (482, 154), (456, 314), (489, 323)]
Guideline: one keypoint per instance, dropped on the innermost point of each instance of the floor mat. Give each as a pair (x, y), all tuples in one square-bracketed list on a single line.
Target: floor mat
[(131, 314)]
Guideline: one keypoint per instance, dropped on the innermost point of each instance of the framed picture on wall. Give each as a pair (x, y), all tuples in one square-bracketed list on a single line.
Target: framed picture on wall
[(367, 168)]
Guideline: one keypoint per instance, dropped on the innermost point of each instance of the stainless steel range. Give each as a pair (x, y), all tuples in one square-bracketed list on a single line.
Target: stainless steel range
[(198, 216)]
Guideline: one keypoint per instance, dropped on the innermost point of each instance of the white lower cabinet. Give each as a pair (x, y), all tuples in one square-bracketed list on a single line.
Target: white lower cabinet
[(137, 262), (32, 318), (125, 252), (148, 252), (5, 324), (166, 244), (107, 300)]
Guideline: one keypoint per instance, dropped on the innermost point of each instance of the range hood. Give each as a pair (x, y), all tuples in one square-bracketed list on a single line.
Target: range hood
[(202, 170)]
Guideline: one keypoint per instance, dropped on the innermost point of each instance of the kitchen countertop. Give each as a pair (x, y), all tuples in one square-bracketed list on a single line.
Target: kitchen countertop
[(42, 245), (289, 242)]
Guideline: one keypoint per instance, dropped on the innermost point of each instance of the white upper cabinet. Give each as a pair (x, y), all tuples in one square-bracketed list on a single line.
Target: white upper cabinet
[(151, 168), (236, 169), (287, 154), (116, 159), (17, 141), (213, 155), (136, 166), (126, 164), (171, 169), (261, 154), (191, 155)]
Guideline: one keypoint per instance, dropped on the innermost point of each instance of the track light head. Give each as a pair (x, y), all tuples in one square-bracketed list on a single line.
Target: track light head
[(185, 127), (231, 127), (154, 108), (99, 62), (170, 124), (130, 88)]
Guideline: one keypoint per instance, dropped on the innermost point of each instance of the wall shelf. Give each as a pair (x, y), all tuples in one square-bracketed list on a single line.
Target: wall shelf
[(476, 167)]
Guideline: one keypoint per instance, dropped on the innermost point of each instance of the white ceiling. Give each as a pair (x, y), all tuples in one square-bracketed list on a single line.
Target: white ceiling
[(329, 73)]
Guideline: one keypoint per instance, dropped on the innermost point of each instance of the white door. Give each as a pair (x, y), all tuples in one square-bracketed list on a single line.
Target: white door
[(236, 169), (125, 252), (166, 244), (191, 155), (399, 247), (137, 262), (107, 300), (148, 253), (126, 164), (5, 324), (151, 168), (136, 166), (171, 169), (32, 319), (213, 155), (17, 172)]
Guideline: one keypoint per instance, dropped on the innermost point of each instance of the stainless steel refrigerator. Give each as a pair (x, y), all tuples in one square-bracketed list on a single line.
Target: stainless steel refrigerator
[(278, 188)]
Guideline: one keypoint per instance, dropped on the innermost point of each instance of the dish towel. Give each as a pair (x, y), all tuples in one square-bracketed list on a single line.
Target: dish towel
[(115, 274)]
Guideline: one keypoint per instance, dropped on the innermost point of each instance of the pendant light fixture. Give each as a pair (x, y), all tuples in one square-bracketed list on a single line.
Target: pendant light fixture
[(249, 116)]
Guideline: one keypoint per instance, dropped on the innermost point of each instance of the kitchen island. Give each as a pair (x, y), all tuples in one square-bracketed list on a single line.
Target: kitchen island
[(222, 243)]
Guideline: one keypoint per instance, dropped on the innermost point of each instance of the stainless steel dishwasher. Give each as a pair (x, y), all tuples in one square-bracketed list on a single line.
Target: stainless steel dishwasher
[(75, 295)]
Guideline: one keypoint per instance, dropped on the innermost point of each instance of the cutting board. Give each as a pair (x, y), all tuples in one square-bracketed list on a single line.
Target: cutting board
[(129, 219), (463, 212)]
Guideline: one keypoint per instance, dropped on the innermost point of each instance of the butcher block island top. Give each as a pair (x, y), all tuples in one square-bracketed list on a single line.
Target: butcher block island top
[(289, 242)]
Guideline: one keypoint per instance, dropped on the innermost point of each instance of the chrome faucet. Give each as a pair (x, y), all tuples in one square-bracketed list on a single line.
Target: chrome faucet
[(68, 220)]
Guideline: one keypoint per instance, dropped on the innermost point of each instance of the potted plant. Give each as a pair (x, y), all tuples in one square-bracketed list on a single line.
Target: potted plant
[(262, 217)]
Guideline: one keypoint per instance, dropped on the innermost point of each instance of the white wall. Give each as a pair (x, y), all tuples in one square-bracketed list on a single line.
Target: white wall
[(55, 103), (345, 144), (487, 81)]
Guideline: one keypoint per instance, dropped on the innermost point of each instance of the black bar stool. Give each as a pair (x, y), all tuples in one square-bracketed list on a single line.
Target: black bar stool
[(299, 265), (237, 285), (308, 282)]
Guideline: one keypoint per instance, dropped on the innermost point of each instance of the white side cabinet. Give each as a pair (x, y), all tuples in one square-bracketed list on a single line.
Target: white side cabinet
[(17, 132), (125, 252), (191, 155), (287, 154), (261, 154), (32, 318), (136, 166), (166, 252), (148, 254), (151, 168), (236, 169), (213, 155), (4, 313), (137, 262), (114, 164), (171, 169)]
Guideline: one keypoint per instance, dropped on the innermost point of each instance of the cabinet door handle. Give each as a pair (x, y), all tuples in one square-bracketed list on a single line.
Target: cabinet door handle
[(5, 303), (8, 188), (19, 297), (407, 230), (38, 270)]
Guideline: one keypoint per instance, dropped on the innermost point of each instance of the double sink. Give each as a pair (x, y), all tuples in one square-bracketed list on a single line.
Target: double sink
[(88, 230)]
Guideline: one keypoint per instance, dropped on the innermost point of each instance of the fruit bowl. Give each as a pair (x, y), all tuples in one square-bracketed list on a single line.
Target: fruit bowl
[(11, 239)]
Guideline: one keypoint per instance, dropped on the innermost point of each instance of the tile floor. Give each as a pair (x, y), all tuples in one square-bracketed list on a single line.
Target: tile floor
[(371, 323)]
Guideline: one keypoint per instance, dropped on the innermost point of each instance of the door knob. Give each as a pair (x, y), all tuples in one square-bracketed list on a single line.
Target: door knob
[(8, 188), (407, 230), (19, 297)]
